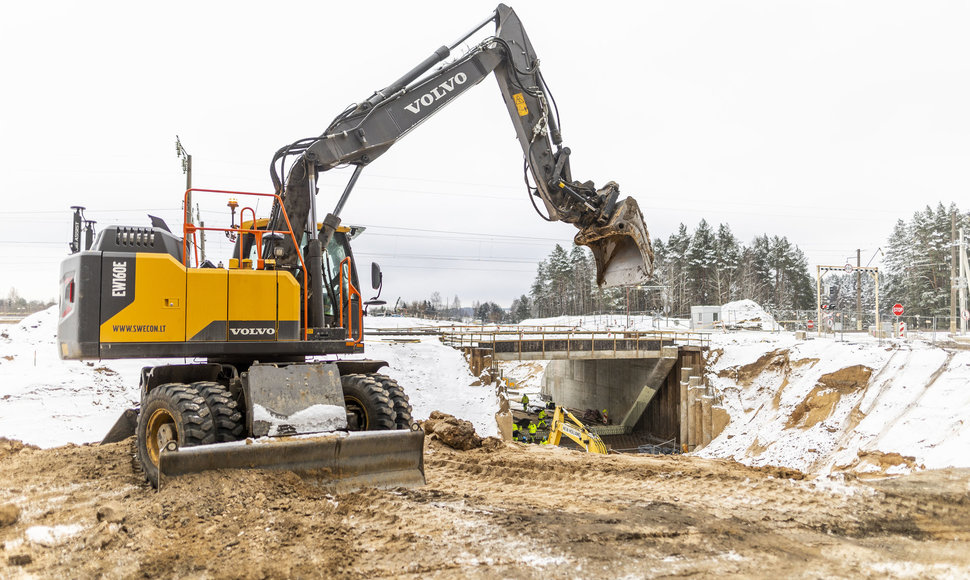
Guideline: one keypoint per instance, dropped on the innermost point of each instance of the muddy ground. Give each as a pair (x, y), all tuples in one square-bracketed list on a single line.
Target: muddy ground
[(513, 512)]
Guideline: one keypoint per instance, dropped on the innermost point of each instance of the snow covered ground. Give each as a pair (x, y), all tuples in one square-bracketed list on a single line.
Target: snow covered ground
[(435, 377), (820, 405), (49, 402), (823, 405)]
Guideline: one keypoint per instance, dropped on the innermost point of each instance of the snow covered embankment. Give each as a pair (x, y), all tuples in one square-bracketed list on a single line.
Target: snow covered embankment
[(49, 402), (822, 406), (434, 376)]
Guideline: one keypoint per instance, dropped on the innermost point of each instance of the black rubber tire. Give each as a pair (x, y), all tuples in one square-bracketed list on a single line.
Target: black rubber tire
[(366, 398), (399, 400), (172, 411), (226, 418)]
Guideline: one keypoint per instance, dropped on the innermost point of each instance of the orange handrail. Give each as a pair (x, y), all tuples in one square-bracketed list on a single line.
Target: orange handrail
[(250, 230), (190, 229), (351, 292)]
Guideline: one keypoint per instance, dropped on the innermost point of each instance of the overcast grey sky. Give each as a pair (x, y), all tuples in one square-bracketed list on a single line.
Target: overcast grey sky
[(821, 121)]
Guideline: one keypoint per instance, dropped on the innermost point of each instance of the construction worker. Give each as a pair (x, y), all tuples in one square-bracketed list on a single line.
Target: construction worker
[(515, 432), (532, 432), (542, 414), (525, 402)]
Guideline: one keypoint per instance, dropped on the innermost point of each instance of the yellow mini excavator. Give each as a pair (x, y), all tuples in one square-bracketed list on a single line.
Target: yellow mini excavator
[(565, 423), (264, 387)]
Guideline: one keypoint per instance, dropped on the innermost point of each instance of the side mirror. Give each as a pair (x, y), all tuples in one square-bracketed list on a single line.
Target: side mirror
[(377, 281), (376, 277)]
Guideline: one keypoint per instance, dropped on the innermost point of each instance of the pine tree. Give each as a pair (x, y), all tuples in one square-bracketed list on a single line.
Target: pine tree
[(700, 265), (727, 262)]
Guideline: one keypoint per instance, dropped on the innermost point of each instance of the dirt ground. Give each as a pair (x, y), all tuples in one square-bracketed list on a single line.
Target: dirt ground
[(513, 512)]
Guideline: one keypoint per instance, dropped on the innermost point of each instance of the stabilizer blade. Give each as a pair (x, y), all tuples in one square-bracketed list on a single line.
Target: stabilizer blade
[(342, 462)]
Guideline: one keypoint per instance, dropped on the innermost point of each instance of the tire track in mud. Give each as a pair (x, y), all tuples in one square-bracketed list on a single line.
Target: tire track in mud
[(515, 512), (618, 509)]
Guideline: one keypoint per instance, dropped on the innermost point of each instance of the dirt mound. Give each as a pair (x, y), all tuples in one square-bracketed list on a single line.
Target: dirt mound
[(12, 446), (774, 361), (876, 464), (452, 431), (816, 407), (848, 379), (822, 400)]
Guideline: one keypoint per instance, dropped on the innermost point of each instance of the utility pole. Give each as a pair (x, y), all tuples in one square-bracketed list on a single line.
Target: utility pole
[(953, 271), (963, 283), (187, 170), (858, 290)]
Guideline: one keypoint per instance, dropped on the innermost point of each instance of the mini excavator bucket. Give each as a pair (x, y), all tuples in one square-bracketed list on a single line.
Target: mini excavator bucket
[(621, 247), (297, 421)]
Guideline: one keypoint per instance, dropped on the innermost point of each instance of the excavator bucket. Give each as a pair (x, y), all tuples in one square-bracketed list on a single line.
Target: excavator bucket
[(621, 247), (341, 462)]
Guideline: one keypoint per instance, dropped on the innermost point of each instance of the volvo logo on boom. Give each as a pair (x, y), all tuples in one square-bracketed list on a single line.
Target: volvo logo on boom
[(437, 92)]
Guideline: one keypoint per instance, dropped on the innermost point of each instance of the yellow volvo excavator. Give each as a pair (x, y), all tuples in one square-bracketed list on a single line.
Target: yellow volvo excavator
[(264, 387)]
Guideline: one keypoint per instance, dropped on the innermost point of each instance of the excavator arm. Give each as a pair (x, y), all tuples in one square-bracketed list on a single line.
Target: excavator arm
[(613, 229)]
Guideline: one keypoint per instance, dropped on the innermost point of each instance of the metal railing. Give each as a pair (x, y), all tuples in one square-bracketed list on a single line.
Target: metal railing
[(460, 329), (542, 341)]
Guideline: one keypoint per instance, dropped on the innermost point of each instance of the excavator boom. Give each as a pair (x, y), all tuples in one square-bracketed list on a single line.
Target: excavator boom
[(612, 228)]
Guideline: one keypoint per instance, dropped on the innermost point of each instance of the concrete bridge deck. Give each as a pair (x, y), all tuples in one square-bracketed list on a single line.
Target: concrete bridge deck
[(633, 375), (574, 344)]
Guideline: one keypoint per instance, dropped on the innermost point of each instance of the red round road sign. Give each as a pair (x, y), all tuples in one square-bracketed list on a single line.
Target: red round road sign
[(811, 325), (898, 309)]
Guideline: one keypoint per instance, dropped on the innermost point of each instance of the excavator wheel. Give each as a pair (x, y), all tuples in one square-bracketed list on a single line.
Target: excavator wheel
[(172, 412), (368, 402), (226, 418), (402, 406)]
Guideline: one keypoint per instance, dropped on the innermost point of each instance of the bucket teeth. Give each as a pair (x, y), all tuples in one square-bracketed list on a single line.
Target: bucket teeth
[(621, 247)]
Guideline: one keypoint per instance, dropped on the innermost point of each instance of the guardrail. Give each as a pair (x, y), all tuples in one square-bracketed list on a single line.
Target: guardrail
[(459, 329), (540, 342)]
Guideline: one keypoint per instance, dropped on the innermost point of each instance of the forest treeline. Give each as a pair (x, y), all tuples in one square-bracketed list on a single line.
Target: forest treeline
[(705, 266), (711, 266)]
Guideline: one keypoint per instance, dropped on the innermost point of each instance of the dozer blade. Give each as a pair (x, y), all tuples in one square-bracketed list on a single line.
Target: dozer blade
[(342, 462), (621, 248), (124, 427)]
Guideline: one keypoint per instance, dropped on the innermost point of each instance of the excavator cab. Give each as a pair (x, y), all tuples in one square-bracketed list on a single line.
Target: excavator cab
[(337, 268)]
